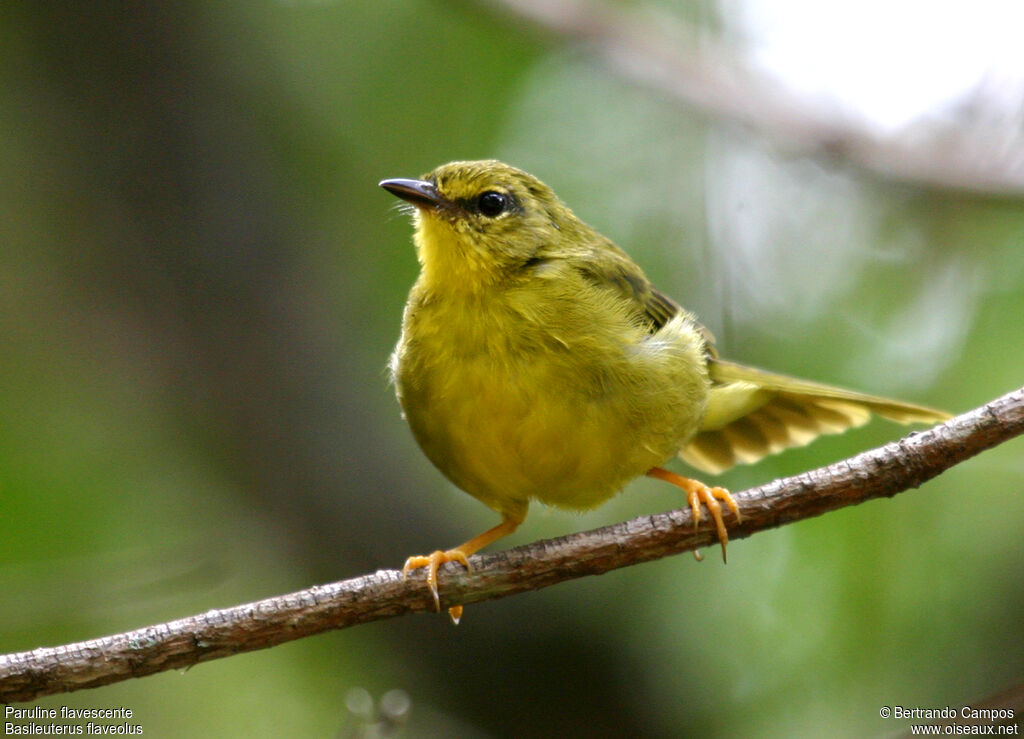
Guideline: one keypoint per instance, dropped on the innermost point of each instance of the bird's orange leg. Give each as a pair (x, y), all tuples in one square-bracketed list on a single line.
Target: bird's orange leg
[(458, 554), (697, 493)]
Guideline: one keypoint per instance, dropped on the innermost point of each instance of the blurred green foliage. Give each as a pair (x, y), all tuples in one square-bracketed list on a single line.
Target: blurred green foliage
[(199, 287)]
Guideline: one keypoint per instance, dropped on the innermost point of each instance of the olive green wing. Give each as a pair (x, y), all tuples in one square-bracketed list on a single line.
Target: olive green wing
[(752, 413), (610, 268)]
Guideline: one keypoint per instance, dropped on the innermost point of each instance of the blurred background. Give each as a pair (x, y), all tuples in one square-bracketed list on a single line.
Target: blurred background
[(200, 284)]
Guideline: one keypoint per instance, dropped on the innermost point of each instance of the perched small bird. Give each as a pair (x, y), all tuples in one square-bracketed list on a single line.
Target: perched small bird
[(537, 362)]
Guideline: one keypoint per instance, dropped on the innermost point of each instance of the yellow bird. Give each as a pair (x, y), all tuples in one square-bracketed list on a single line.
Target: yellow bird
[(538, 363)]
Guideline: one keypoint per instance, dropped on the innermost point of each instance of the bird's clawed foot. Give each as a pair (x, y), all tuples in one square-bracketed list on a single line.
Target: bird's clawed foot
[(432, 562), (697, 493)]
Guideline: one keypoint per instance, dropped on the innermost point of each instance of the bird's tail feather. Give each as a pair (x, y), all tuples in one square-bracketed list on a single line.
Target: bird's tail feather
[(753, 413)]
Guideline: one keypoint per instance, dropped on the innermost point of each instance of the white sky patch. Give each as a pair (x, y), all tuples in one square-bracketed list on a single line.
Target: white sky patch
[(890, 60)]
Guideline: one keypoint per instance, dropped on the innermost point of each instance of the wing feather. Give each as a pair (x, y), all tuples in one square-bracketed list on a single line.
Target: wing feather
[(753, 413)]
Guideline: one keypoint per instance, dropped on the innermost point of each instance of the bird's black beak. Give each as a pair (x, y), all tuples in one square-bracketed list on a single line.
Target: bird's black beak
[(420, 193)]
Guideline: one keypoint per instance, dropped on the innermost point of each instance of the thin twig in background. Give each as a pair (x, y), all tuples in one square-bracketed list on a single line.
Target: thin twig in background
[(219, 633), (691, 68)]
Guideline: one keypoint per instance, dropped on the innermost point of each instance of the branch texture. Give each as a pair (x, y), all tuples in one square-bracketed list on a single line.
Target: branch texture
[(688, 66), (880, 472)]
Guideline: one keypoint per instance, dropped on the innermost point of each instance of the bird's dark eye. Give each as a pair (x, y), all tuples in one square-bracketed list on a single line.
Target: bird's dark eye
[(492, 203)]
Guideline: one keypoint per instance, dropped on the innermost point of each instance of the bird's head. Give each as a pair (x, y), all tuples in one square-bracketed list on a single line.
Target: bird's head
[(480, 222)]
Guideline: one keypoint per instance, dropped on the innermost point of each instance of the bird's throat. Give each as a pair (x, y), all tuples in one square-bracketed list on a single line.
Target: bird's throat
[(449, 260)]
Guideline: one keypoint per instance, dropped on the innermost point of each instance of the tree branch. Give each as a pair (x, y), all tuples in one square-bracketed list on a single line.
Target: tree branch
[(971, 153), (178, 644)]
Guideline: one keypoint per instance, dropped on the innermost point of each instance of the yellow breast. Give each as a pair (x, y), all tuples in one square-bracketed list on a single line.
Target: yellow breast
[(526, 395)]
